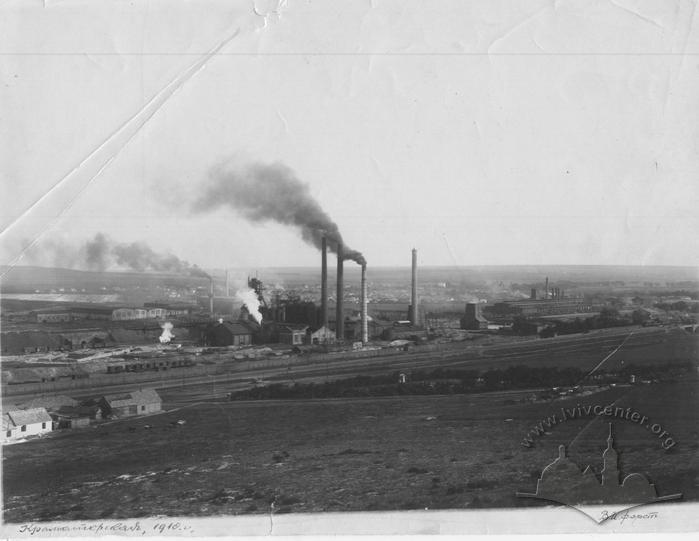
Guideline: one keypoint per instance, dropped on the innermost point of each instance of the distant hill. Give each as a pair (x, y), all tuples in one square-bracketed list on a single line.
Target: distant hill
[(27, 279)]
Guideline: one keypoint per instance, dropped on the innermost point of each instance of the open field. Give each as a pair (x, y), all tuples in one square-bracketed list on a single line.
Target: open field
[(358, 454), (338, 455)]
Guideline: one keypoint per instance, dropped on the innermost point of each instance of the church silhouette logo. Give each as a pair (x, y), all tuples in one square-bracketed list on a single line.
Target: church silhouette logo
[(563, 482)]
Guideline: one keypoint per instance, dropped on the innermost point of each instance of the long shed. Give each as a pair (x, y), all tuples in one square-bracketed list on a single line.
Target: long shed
[(129, 404)]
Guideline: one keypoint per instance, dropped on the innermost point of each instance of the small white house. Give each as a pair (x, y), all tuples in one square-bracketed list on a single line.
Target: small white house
[(17, 424)]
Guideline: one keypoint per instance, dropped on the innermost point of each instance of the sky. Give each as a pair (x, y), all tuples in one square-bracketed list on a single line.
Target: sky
[(481, 133)]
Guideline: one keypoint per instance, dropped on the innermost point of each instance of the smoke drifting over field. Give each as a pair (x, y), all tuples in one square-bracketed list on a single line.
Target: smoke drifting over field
[(272, 193), (101, 253)]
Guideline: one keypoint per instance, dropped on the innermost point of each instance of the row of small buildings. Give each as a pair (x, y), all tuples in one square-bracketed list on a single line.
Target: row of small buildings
[(150, 310), (245, 333), (42, 415)]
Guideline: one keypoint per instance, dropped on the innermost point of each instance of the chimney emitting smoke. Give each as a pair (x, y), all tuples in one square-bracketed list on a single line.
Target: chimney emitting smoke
[(272, 192), (339, 303), (324, 283)]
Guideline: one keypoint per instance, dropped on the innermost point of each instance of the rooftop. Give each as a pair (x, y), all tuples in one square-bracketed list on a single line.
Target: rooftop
[(29, 417), (144, 396), (49, 402)]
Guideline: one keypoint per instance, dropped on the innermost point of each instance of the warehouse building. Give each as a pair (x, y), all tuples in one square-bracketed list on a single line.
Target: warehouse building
[(294, 335), (129, 404), (169, 309), (472, 319), (536, 307), (125, 314), (227, 333)]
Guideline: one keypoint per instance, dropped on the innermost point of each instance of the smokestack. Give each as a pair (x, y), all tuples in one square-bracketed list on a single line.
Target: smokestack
[(211, 296), (365, 324), (324, 282), (339, 308), (228, 283), (413, 305), (546, 289), (533, 294)]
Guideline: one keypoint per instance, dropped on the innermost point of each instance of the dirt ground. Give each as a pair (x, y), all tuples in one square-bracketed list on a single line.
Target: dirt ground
[(436, 452)]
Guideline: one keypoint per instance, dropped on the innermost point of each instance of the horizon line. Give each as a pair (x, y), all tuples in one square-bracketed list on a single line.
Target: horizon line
[(378, 266)]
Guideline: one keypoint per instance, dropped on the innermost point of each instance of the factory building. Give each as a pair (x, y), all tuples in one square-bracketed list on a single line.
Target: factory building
[(320, 336), (472, 319), (227, 333), (375, 328), (129, 404), (49, 315), (59, 314), (75, 416), (296, 311), (294, 335), (152, 310), (404, 330), (539, 307), (125, 314), (552, 302)]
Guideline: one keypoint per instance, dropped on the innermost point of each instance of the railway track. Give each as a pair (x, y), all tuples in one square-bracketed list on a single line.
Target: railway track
[(591, 347)]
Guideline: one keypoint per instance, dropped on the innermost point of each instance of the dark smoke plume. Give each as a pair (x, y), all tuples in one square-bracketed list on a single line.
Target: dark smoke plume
[(141, 257), (101, 253), (272, 192), (96, 252)]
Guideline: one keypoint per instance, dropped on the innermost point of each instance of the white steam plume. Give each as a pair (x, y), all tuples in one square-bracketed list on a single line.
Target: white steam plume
[(167, 335), (249, 298)]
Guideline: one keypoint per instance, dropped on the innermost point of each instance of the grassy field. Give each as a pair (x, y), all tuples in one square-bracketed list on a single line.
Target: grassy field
[(415, 452)]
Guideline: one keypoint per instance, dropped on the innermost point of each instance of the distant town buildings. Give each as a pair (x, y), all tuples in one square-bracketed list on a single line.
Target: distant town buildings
[(150, 310)]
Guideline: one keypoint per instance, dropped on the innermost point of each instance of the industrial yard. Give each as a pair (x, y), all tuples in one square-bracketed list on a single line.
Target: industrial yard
[(259, 399), (206, 455)]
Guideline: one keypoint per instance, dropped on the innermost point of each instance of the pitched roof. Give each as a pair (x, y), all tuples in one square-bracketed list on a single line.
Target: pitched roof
[(29, 375), (235, 327), (29, 417), (293, 328), (170, 305), (145, 396), (77, 411), (323, 328), (49, 402)]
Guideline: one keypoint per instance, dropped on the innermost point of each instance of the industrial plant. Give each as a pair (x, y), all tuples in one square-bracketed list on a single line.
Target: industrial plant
[(305, 322), (175, 367)]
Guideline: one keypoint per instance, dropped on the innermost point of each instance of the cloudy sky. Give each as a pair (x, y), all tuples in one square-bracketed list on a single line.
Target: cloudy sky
[(483, 132)]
